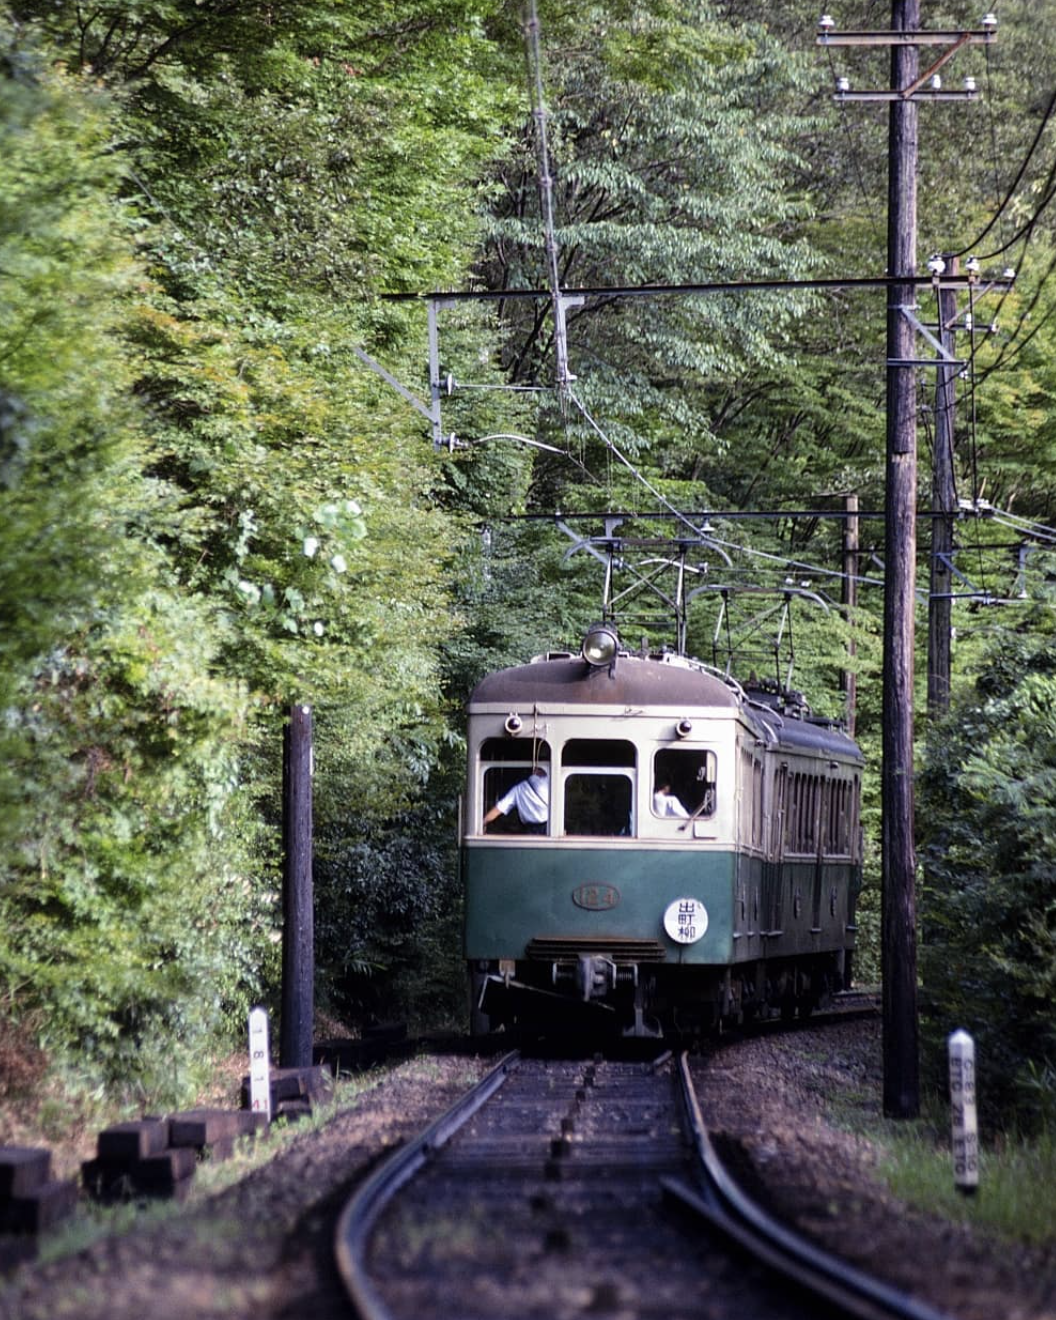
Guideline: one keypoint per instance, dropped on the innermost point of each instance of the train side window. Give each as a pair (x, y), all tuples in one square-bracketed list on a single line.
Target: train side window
[(690, 775), (837, 835), (810, 840), (758, 804), (779, 818), (792, 813)]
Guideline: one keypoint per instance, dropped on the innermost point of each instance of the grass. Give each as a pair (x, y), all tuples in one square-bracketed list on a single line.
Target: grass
[(1016, 1198), (95, 1222)]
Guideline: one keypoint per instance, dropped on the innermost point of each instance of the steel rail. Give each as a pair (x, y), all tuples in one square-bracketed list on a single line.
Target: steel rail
[(360, 1214), (739, 1219)]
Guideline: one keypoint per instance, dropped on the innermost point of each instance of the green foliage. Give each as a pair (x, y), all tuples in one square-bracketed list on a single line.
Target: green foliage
[(392, 916), (989, 803), (666, 173), (187, 257), (209, 508), (128, 921)]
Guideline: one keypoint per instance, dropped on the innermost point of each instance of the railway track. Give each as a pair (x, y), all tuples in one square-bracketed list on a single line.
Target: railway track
[(567, 1188)]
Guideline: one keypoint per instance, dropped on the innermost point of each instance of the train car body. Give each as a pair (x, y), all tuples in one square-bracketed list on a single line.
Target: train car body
[(652, 912)]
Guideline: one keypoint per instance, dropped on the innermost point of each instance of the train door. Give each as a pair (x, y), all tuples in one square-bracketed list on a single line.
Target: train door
[(746, 827), (823, 810), (598, 782), (773, 874)]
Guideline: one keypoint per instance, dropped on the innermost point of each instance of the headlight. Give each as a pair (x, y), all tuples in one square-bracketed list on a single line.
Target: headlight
[(600, 645)]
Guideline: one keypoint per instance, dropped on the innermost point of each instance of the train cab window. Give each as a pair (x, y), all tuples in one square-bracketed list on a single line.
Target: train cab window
[(506, 763), (684, 782), (599, 786), (598, 751)]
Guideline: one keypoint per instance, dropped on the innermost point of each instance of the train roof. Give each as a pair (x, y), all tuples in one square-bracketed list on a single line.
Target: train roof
[(671, 681), (632, 681)]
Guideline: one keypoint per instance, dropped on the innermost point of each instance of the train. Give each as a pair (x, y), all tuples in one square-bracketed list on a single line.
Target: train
[(649, 848)]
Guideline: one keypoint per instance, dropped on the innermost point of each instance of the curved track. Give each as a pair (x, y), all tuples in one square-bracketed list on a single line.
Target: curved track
[(561, 1188)]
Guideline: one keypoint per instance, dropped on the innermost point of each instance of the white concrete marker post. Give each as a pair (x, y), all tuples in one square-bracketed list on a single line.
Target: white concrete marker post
[(963, 1124), (259, 1064)]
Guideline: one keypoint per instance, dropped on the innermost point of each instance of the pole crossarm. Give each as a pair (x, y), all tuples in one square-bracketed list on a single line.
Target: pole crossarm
[(909, 39), (975, 37), (925, 95)]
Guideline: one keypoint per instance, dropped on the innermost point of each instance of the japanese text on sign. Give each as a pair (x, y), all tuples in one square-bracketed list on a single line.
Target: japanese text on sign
[(686, 920)]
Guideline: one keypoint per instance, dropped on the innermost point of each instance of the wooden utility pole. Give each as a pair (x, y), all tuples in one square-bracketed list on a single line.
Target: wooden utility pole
[(298, 924), (898, 903), (850, 601), (943, 501), (898, 925)]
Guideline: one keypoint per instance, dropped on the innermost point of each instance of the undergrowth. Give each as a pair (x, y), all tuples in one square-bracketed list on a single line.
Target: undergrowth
[(1016, 1197)]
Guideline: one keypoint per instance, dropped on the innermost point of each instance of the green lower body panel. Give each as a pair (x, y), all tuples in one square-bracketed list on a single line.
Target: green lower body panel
[(543, 900), (604, 896)]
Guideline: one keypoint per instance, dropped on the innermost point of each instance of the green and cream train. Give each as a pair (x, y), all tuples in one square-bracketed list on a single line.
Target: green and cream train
[(688, 851)]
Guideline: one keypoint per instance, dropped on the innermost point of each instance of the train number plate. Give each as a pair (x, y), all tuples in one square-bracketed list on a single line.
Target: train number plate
[(596, 898)]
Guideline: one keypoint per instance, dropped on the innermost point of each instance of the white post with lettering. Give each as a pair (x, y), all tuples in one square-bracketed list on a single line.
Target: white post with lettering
[(963, 1122), (259, 1064)]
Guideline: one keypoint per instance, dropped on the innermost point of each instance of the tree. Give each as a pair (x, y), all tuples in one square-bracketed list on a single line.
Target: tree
[(266, 172), (119, 749), (989, 808), (665, 173)]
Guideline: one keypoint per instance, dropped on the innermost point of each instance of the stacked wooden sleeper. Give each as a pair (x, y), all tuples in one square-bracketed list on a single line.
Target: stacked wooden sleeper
[(31, 1201), (159, 1156)]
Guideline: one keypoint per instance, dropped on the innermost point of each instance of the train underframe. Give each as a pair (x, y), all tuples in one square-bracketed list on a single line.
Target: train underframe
[(598, 992)]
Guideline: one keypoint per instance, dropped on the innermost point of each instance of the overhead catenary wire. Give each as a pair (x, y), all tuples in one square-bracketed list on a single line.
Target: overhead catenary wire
[(706, 536), (697, 522), (1026, 233), (693, 288), (1015, 344), (1025, 528), (1011, 190), (635, 472)]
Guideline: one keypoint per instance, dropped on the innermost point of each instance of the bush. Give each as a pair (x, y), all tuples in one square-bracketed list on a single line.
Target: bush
[(988, 798), (128, 926), (388, 918)]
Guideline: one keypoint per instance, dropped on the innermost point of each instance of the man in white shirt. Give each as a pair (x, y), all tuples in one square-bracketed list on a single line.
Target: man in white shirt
[(531, 797), (665, 803)]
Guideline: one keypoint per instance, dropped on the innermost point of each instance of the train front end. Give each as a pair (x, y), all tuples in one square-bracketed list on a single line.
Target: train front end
[(618, 907)]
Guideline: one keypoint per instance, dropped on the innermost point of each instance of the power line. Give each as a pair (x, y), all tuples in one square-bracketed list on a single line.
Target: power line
[(669, 290), (1012, 187), (1007, 356)]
